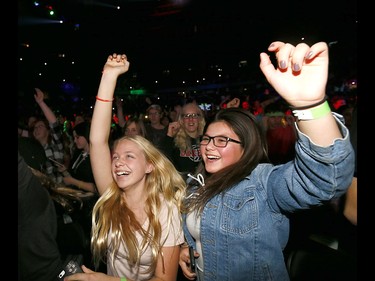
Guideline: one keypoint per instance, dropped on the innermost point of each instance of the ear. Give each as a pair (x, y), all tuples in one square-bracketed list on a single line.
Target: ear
[(150, 168)]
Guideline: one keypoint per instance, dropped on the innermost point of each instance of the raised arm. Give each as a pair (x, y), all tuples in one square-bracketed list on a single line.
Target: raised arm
[(120, 112), (48, 113), (100, 153), (301, 78)]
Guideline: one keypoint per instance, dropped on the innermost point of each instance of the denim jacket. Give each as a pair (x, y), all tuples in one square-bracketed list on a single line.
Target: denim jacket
[(244, 231)]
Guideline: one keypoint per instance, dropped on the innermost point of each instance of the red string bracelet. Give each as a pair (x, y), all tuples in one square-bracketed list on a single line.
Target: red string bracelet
[(103, 100)]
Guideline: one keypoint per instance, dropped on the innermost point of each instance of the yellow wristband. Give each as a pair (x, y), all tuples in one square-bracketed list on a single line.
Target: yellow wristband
[(123, 279), (313, 113)]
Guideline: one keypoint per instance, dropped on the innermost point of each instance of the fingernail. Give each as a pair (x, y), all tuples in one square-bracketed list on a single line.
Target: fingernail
[(296, 67), (272, 45), (282, 64), (309, 54)]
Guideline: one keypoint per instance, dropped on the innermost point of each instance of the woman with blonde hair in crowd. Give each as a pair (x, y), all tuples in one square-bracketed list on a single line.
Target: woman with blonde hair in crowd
[(182, 142), (137, 227)]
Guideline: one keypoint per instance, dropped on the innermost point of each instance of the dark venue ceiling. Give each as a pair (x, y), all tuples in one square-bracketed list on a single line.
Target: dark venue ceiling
[(174, 35)]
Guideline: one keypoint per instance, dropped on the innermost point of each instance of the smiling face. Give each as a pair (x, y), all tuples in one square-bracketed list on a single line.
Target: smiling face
[(217, 158), (190, 119), (129, 165)]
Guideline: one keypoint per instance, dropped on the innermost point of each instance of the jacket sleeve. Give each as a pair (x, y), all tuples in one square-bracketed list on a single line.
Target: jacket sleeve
[(316, 175)]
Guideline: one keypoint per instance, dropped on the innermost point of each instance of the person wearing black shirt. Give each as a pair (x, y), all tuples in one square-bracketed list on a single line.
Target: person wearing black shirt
[(38, 253), (181, 144)]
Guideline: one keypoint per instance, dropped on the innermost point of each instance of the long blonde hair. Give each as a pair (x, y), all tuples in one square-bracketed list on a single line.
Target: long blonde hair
[(182, 139), (164, 185)]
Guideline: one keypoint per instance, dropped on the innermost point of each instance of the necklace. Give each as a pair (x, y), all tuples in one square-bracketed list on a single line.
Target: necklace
[(79, 160)]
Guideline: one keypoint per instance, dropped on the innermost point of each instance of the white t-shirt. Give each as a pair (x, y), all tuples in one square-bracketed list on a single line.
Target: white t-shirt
[(173, 238)]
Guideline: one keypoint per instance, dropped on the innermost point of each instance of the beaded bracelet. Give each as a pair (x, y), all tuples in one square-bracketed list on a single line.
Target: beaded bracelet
[(103, 100)]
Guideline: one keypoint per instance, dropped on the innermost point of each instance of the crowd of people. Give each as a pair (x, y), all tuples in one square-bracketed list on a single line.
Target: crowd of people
[(224, 182)]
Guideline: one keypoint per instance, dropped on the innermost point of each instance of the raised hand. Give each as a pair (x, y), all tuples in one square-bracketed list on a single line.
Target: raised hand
[(116, 64), (301, 74), (39, 95)]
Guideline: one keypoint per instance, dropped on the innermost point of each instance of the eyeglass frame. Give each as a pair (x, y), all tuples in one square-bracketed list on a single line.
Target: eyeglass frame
[(227, 139), (190, 115)]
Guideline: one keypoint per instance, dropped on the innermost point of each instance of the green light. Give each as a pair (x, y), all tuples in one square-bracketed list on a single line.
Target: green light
[(138, 92)]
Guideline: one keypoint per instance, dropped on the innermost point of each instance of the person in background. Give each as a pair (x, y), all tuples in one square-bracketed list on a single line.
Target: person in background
[(26, 132), (132, 126), (67, 139), (280, 132), (79, 174), (155, 130), (38, 252), (136, 227), (48, 132), (350, 203), (135, 126), (182, 142), (348, 207), (33, 152), (120, 112), (236, 206), (165, 120)]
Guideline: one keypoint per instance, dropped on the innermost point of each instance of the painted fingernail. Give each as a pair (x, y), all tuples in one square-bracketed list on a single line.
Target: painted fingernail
[(296, 67), (309, 54), (282, 64)]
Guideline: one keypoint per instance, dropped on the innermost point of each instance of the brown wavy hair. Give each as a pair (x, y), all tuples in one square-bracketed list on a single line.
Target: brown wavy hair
[(252, 138)]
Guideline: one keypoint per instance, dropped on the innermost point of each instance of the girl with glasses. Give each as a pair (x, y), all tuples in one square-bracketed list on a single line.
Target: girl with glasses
[(235, 211)]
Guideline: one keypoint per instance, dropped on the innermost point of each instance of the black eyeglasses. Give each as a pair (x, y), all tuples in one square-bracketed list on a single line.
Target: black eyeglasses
[(191, 115), (219, 141)]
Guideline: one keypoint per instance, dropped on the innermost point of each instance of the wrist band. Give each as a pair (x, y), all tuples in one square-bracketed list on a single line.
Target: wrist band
[(313, 113), (123, 279), (308, 106), (103, 100)]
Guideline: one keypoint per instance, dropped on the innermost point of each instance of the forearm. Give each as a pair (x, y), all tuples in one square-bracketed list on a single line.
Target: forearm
[(350, 206), (120, 115), (326, 171), (48, 113), (87, 186), (102, 115), (322, 131)]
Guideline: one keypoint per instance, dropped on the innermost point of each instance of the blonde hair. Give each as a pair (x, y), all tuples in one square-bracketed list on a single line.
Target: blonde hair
[(164, 185), (182, 139)]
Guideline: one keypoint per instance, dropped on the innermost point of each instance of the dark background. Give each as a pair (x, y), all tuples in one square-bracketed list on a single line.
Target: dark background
[(165, 39)]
